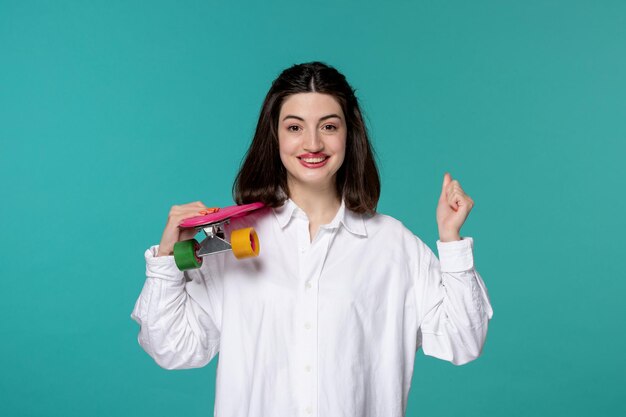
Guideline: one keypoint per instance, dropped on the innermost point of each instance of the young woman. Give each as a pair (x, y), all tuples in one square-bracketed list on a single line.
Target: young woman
[(326, 321)]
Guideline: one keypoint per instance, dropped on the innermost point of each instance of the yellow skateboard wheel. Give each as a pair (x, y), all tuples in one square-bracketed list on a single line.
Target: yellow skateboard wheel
[(245, 243)]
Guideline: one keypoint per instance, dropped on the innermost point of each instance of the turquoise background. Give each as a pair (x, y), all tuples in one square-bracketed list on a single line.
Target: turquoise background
[(112, 111)]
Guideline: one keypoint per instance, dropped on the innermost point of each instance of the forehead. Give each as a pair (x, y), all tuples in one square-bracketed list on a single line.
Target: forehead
[(310, 105)]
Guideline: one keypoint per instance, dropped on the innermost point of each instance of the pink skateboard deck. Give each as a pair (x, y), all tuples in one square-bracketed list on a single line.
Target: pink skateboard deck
[(221, 215)]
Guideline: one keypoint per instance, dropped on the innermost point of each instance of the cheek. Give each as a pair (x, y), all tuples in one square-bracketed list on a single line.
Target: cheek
[(286, 152), (285, 148), (340, 148)]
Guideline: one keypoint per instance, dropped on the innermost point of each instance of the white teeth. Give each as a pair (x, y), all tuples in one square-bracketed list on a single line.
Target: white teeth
[(313, 160)]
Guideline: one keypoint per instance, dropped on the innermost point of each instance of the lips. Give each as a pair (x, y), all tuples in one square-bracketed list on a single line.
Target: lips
[(313, 160)]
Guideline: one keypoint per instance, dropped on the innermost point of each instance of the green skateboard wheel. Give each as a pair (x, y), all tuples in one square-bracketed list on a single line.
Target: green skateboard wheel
[(185, 254)]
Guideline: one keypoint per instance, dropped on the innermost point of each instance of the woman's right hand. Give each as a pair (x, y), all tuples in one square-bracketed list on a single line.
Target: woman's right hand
[(172, 232)]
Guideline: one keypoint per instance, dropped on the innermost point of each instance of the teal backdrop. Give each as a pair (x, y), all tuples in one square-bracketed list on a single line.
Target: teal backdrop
[(112, 111)]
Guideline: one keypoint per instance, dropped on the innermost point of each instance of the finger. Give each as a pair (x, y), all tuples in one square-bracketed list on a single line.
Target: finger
[(186, 209), (447, 179), (456, 199), (460, 201), (178, 218), (209, 210), (453, 201), (196, 205), (467, 200), (453, 186), (457, 188)]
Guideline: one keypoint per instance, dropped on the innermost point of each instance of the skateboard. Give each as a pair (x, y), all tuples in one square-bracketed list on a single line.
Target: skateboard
[(244, 243)]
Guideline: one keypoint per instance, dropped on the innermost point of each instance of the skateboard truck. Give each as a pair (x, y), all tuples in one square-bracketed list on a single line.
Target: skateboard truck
[(215, 241)]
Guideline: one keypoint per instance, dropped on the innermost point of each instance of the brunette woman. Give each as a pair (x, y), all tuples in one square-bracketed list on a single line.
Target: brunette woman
[(326, 321)]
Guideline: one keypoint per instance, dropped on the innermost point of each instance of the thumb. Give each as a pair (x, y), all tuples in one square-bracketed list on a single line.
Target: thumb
[(447, 179)]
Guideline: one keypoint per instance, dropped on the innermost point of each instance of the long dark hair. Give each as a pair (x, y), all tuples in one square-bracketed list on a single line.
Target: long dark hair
[(262, 176)]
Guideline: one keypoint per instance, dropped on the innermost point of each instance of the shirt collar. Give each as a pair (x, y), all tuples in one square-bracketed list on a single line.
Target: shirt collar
[(285, 212), (353, 222)]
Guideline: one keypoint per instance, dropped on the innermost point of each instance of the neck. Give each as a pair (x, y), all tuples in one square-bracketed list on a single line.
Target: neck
[(319, 203)]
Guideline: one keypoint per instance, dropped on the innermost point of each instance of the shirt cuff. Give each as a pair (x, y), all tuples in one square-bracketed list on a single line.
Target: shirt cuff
[(456, 256), (162, 267)]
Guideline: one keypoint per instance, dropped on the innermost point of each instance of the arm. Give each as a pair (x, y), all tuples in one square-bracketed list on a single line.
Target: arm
[(178, 331), (453, 304)]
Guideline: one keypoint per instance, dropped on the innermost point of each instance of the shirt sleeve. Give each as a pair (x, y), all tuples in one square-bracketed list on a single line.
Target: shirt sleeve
[(453, 304), (178, 313)]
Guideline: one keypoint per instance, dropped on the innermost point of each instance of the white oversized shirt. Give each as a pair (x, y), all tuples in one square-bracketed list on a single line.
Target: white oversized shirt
[(322, 328)]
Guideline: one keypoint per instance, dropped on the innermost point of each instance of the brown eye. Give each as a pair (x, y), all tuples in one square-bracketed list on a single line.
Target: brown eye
[(293, 128), (330, 128)]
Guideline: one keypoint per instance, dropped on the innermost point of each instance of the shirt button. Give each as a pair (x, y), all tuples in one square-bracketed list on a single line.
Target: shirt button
[(307, 368), (307, 325), (309, 410), (308, 285)]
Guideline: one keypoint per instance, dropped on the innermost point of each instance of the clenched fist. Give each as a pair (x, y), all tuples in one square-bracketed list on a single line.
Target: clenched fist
[(452, 210)]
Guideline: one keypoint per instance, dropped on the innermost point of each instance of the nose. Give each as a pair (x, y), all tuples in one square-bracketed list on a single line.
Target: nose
[(313, 142)]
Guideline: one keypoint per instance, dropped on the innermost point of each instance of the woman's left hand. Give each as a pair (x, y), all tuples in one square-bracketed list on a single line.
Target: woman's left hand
[(453, 208)]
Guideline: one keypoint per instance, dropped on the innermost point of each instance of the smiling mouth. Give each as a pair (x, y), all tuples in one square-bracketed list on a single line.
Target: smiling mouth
[(313, 160), (316, 160)]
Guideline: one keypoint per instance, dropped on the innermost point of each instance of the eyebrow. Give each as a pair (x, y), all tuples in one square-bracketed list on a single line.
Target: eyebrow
[(330, 116)]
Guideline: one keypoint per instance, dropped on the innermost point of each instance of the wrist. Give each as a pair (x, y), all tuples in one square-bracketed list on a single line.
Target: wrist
[(449, 236), (164, 252)]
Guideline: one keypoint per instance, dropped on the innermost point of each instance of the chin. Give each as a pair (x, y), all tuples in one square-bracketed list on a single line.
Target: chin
[(310, 181)]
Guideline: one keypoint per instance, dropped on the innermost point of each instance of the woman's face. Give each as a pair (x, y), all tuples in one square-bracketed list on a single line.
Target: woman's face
[(311, 139)]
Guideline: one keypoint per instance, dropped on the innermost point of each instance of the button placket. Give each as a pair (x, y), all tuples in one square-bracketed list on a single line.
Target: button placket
[(309, 329), (307, 319), (311, 262)]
